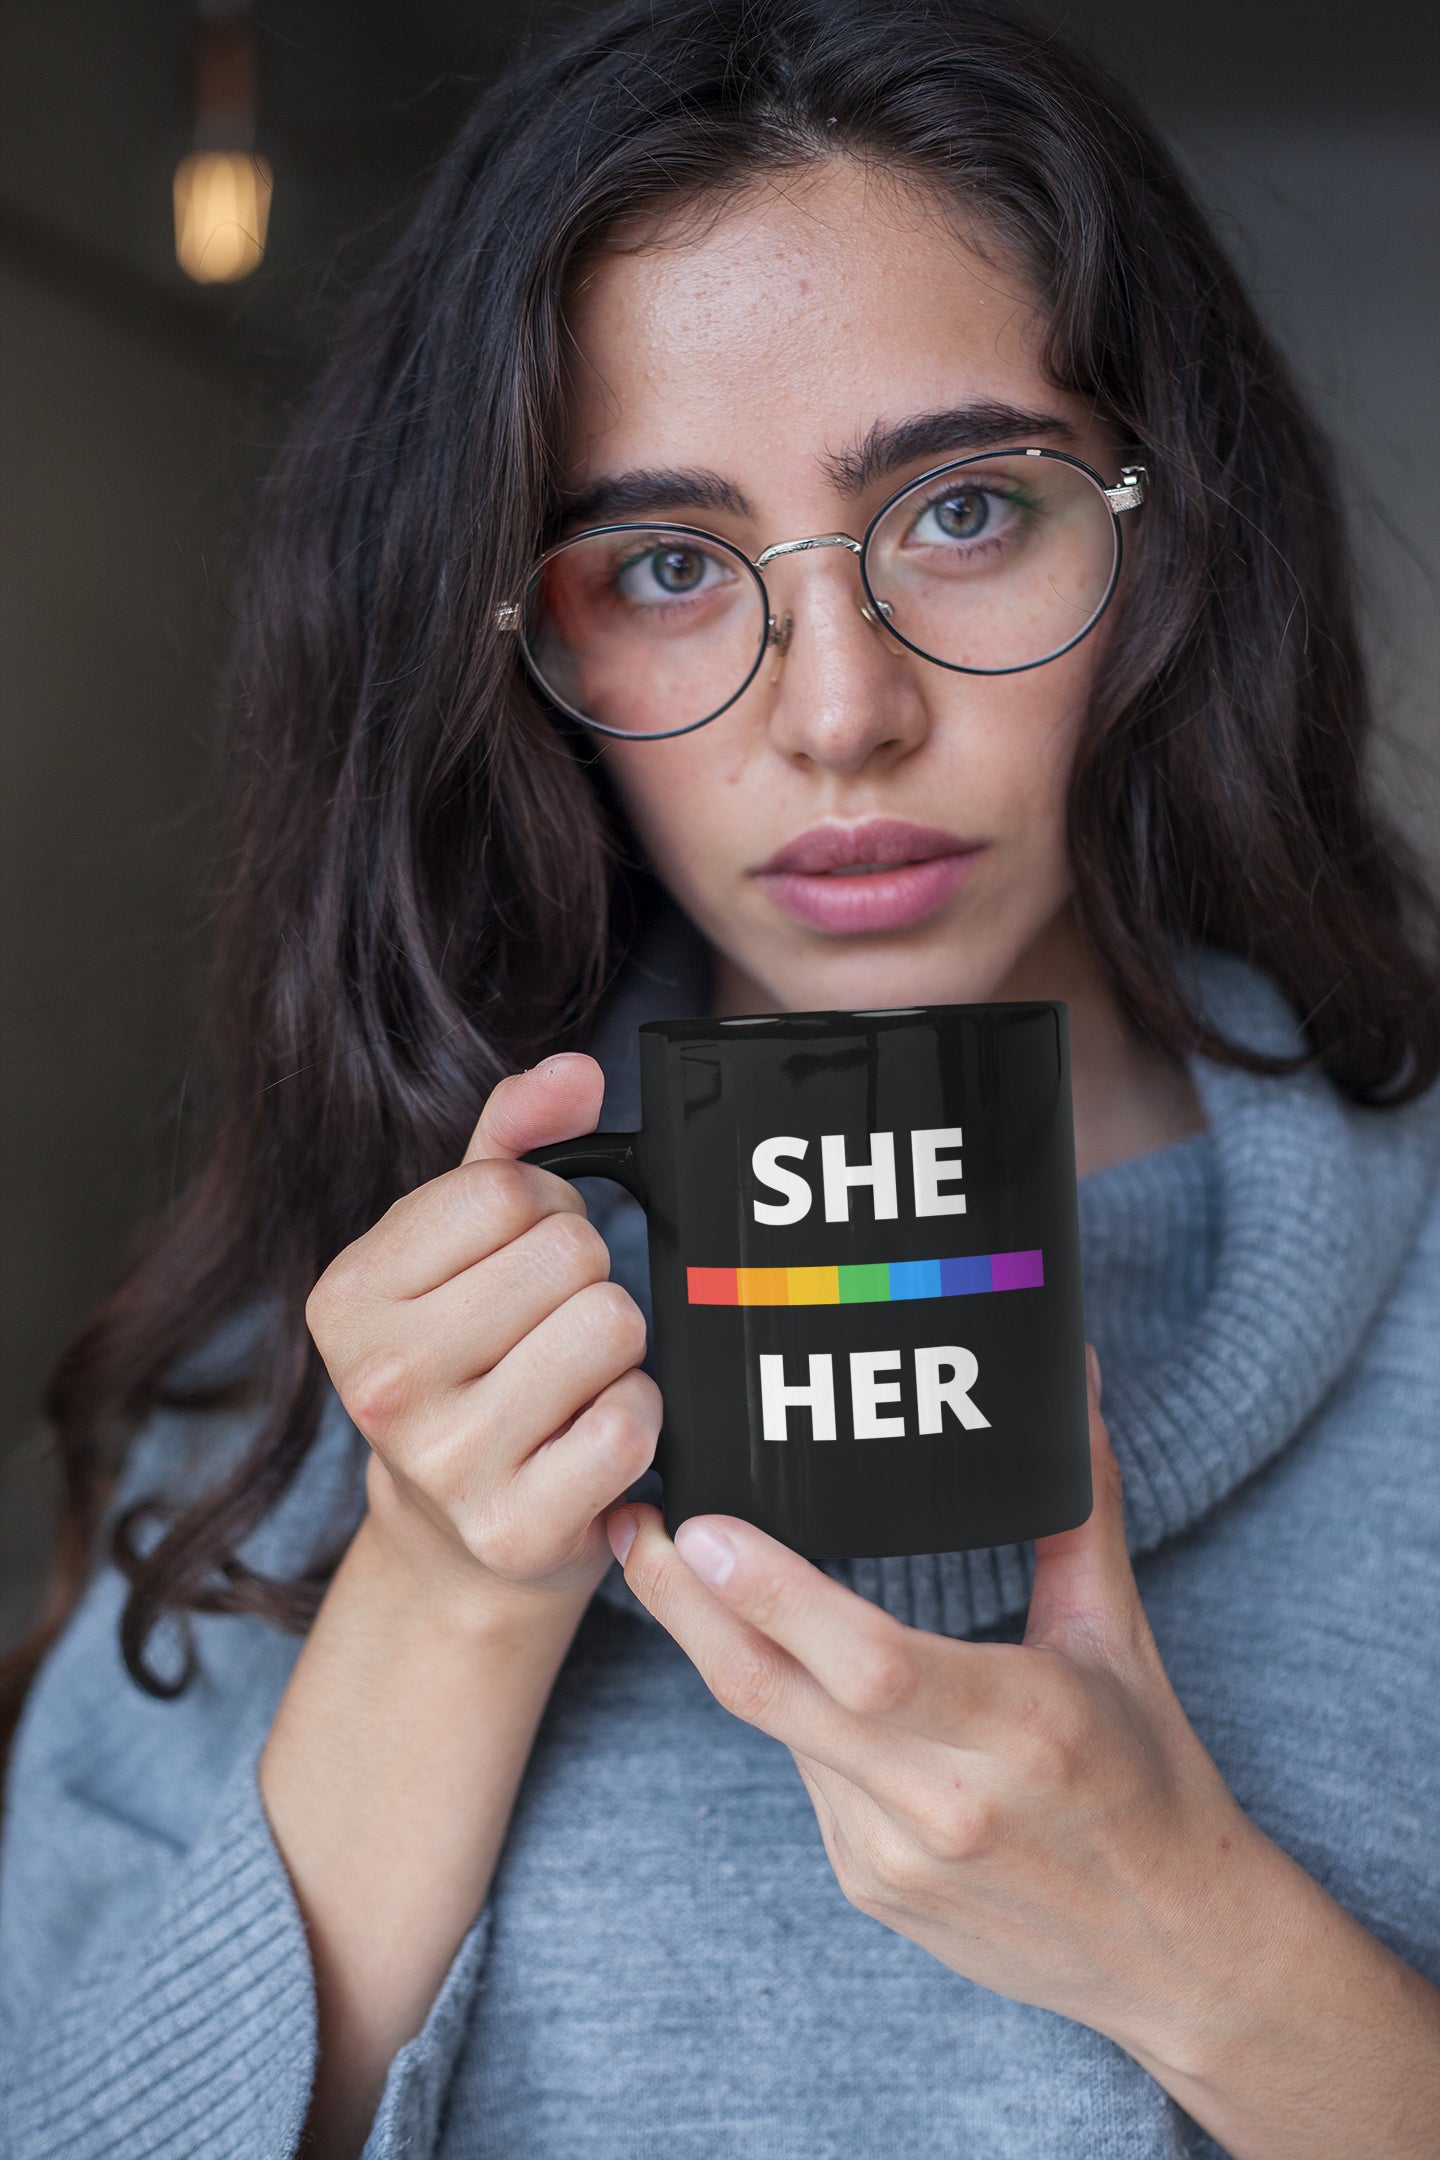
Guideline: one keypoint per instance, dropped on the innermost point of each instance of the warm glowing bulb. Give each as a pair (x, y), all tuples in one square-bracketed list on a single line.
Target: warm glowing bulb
[(222, 207)]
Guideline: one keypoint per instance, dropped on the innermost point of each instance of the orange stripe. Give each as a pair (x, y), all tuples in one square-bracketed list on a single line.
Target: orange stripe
[(762, 1286)]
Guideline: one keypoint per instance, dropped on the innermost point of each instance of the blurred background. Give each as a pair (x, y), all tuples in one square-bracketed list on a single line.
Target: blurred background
[(140, 400)]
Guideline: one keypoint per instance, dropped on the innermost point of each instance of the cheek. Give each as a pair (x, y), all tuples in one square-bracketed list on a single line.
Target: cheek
[(675, 798), (1007, 744)]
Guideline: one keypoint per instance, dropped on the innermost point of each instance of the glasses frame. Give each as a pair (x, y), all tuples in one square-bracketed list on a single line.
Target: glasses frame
[(1127, 496)]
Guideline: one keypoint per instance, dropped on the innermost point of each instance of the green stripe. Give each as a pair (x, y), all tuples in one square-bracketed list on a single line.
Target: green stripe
[(867, 1284)]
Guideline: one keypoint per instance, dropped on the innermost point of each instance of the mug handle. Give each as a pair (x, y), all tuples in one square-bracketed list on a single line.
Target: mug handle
[(603, 1154)]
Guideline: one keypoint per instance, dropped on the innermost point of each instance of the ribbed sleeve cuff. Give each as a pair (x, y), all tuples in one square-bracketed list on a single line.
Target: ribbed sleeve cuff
[(410, 2116), (198, 2037)]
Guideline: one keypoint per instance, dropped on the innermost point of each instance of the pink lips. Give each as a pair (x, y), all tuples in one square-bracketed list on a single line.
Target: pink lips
[(882, 875)]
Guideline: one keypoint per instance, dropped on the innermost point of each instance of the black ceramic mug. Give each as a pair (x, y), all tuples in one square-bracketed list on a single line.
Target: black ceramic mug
[(865, 1273)]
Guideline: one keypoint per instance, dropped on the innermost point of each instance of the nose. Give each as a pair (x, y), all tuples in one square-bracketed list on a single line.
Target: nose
[(843, 694)]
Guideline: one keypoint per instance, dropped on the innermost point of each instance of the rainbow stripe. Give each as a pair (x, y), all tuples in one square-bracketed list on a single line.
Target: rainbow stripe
[(878, 1282)]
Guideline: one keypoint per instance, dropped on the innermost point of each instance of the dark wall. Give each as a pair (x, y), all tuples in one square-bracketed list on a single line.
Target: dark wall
[(137, 411)]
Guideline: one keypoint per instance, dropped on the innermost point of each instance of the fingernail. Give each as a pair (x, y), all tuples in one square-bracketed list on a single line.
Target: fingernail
[(706, 1552), (620, 1528), (1092, 1361)]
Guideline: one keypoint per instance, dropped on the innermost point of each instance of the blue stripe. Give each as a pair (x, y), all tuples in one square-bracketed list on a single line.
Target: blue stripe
[(914, 1278)]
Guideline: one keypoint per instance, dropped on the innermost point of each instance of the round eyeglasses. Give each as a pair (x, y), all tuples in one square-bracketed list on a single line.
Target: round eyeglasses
[(988, 565)]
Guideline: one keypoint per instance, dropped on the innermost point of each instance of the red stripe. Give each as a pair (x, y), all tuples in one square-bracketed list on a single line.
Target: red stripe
[(711, 1285)]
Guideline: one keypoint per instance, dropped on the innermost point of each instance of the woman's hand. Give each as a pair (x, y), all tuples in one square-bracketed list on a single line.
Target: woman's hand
[(1039, 1816), (475, 1339), (1043, 1819)]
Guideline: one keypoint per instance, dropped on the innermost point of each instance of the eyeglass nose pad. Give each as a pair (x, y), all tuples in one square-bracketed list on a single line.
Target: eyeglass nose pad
[(778, 634), (880, 620)]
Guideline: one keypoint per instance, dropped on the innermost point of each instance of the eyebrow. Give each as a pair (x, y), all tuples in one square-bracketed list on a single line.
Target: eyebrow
[(633, 494), (891, 444), (887, 446)]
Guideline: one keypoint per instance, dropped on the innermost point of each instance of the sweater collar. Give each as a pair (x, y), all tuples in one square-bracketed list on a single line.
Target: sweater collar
[(1230, 1278)]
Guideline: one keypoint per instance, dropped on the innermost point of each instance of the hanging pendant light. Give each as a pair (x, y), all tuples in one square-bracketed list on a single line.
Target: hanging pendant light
[(222, 190)]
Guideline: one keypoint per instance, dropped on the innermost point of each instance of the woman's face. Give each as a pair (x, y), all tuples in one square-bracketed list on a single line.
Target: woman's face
[(817, 315)]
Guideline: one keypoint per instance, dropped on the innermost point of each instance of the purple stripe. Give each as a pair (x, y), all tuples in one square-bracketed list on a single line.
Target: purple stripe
[(1017, 1271)]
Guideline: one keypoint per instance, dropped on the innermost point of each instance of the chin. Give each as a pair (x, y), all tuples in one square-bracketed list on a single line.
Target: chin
[(840, 976)]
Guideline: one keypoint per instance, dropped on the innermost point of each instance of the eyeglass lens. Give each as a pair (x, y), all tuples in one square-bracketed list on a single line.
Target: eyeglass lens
[(993, 565)]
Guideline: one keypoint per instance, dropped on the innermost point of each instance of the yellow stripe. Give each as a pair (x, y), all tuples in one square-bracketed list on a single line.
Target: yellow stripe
[(814, 1285)]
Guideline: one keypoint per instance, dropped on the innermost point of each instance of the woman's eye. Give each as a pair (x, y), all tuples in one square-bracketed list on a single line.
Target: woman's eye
[(672, 572), (965, 514)]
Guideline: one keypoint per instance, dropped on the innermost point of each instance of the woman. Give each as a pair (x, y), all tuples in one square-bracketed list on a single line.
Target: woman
[(364, 1801)]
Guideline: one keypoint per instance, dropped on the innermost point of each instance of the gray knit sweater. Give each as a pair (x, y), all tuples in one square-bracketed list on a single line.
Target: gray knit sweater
[(665, 1968)]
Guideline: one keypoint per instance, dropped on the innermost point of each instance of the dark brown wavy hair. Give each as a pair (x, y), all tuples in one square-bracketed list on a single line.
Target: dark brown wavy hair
[(426, 885)]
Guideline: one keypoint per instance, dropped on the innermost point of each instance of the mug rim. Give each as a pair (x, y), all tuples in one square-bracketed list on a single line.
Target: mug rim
[(808, 1024)]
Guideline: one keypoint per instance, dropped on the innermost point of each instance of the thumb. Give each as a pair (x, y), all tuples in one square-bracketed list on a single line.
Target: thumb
[(559, 1099), (1084, 1582)]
